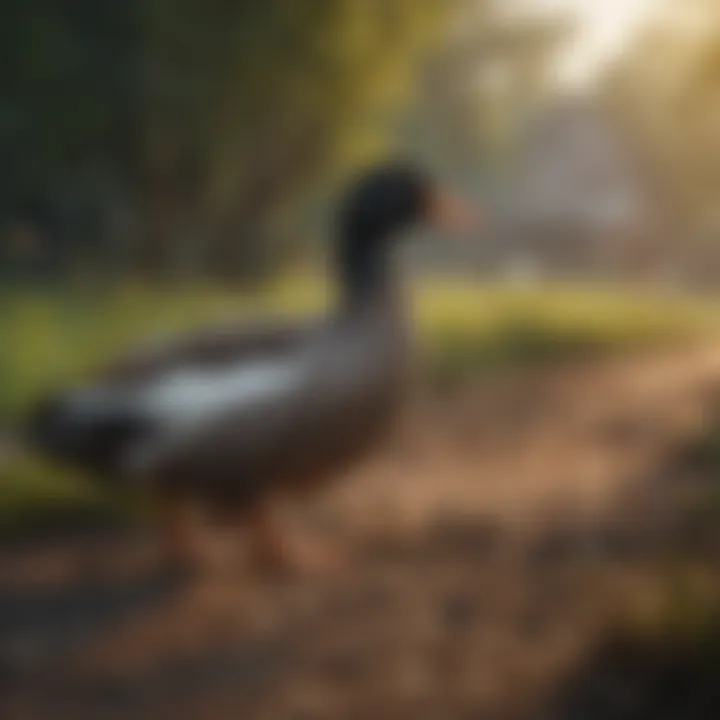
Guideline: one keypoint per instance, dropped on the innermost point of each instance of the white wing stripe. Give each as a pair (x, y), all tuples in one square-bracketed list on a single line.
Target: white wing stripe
[(191, 396)]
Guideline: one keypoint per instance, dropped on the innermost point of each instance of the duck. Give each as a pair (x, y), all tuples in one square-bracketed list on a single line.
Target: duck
[(240, 417)]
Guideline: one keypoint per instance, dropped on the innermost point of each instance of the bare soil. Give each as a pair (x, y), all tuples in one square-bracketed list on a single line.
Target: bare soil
[(496, 545)]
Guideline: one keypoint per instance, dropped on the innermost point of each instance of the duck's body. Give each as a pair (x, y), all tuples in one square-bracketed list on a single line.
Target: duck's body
[(281, 417), (235, 417)]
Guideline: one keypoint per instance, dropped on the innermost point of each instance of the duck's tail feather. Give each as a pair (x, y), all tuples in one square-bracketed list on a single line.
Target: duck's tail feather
[(87, 428)]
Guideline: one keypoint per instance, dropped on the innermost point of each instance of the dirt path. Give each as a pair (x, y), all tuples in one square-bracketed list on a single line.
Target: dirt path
[(492, 547)]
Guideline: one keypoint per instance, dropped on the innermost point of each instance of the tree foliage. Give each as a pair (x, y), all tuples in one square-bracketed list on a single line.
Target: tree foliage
[(195, 122), (667, 92), (481, 87)]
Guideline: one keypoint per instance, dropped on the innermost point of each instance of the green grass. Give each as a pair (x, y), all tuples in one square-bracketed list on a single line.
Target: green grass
[(465, 329), (470, 329), (34, 494)]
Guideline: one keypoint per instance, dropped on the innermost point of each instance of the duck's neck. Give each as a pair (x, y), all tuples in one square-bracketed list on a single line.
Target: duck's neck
[(366, 274)]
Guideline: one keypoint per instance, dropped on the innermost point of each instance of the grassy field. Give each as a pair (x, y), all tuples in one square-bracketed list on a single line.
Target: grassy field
[(465, 329)]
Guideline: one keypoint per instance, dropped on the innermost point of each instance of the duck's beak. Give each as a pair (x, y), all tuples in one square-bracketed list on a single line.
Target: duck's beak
[(448, 213)]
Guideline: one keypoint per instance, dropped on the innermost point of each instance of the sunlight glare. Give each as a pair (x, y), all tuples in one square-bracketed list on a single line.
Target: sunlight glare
[(604, 28)]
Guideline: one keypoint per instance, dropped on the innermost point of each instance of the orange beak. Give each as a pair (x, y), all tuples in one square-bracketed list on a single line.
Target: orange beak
[(451, 214)]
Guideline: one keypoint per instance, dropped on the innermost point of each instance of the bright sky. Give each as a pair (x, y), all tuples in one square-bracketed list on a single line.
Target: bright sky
[(605, 27)]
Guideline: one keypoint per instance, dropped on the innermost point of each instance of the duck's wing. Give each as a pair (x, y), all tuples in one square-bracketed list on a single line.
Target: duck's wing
[(168, 393), (211, 348), (155, 402), (264, 420), (200, 411)]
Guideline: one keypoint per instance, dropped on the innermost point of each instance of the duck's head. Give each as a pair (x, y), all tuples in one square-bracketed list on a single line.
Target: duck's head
[(379, 207)]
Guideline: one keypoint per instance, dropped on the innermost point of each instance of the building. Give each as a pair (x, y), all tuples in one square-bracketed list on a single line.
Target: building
[(578, 200)]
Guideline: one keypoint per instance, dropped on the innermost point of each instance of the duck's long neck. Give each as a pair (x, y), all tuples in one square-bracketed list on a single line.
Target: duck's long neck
[(366, 273)]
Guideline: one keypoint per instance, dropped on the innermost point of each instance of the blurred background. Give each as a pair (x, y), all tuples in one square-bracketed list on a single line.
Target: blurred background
[(541, 540)]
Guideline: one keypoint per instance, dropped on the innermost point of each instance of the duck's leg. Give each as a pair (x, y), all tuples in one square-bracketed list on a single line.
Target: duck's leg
[(273, 549), (181, 538)]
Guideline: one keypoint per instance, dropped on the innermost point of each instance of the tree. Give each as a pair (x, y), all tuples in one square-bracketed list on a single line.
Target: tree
[(666, 93), (479, 91), (201, 119)]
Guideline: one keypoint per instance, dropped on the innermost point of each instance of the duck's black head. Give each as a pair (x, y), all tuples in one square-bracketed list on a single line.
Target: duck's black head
[(377, 209)]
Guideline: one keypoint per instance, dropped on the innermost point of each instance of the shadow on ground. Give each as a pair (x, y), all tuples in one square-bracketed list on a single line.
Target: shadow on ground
[(629, 678)]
